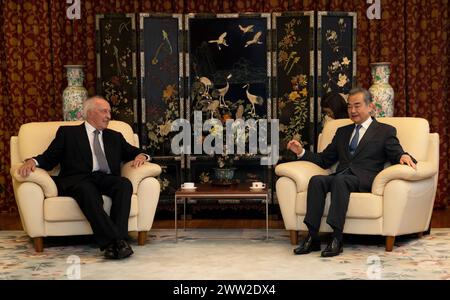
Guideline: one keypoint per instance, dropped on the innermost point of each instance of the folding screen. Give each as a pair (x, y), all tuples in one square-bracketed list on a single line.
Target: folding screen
[(226, 66), (336, 51), (116, 65), (161, 86), (293, 65), (229, 77)]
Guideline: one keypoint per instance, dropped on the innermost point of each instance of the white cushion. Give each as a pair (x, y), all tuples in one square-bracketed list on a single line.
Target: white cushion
[(66, 208), (361, 205)]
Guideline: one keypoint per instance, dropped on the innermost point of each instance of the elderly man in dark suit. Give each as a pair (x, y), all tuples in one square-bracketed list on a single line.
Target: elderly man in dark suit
[(361, 150), (90, 156)]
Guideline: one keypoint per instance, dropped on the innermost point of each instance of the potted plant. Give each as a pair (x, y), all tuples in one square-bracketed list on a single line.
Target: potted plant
[(224, 174)]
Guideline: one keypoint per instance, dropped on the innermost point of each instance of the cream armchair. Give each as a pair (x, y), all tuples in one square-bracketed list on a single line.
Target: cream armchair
[(401, 200), (43, 213)]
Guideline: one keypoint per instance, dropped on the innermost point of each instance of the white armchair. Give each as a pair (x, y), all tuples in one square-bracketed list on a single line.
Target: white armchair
[(43, 213), (401, 200)]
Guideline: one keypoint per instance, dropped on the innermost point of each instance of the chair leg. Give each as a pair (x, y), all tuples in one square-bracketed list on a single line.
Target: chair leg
[(428, 230), (38, 244), (390, 243), (294, 237), (142, 237)]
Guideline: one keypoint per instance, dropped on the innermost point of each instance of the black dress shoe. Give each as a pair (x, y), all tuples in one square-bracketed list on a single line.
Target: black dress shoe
[(123, 249), (334, 247), (308, 245), (111, 251)]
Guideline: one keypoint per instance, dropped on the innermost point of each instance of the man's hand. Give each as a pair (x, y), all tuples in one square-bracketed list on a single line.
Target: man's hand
[(295, 146), (28, 166), (139, 160), (407, 160)]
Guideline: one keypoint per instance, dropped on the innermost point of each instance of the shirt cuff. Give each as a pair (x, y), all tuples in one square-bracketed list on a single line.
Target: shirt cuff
[(301, 154), (35, 161)]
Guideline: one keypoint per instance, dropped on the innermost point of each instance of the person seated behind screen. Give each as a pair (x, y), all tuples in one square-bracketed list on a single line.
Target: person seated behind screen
[(334, 106)]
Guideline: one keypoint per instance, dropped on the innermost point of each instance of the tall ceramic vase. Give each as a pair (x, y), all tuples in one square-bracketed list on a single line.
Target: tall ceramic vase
[(382, 92), (74, 94)]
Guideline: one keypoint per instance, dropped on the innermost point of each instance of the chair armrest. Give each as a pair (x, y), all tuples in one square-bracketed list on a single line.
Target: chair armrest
[(136, 175), (40, 177), (424, 170), (300, 171)]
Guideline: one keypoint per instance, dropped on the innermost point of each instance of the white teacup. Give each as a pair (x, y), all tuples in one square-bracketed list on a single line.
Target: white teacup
[(188, 185), (258, 185)]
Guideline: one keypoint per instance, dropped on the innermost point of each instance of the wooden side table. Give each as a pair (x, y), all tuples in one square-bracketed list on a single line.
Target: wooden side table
[(208, 191)]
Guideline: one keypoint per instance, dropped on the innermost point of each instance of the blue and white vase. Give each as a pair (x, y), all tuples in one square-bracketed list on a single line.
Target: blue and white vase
[(382, 92), (74, 94)]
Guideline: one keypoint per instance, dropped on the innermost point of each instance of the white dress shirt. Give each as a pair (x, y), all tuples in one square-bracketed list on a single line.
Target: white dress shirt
[(90, 133), (364, 126)]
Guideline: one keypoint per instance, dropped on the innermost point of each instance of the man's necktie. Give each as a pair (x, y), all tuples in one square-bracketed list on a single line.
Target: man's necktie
[(354, 141), (101, 158)]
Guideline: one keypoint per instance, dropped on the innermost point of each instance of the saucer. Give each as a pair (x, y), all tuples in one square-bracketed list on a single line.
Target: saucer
[(189, 188), (256, 188)]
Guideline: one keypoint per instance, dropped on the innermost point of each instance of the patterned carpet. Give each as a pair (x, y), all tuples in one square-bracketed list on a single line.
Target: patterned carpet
[(218, 254)]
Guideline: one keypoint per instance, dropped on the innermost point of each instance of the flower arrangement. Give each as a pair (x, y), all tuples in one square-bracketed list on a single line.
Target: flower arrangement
[(225, 160), (223, 173), (240, 137)]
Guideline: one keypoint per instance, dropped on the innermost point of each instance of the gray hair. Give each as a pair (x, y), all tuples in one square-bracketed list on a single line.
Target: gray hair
[(89, 104), (367, 95)]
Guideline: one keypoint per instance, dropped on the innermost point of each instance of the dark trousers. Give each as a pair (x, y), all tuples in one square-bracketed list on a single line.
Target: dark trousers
[(88, 194), (340, 186)]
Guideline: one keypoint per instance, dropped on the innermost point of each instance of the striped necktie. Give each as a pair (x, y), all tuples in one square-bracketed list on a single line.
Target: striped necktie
[(354, 141)]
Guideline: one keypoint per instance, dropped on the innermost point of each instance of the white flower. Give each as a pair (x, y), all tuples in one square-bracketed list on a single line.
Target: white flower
[(345, 61), (331, 35), (335, 65), (216, 130), (164, 129), (342, 80)]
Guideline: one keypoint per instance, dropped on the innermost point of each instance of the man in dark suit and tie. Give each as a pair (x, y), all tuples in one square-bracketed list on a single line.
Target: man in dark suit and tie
[(361, 150), (90, 156)]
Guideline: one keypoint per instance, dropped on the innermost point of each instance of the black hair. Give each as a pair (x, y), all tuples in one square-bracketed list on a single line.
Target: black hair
[(336, 103)]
